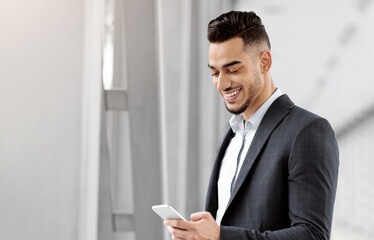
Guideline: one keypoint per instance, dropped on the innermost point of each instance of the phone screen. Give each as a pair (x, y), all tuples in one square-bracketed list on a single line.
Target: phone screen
[(167, 212)]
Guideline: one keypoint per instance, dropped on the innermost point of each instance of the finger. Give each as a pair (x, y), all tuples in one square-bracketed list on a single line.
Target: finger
[(178, 233), (174, 238), (180, 224), (200, 215), (170, 229), (177, 238)]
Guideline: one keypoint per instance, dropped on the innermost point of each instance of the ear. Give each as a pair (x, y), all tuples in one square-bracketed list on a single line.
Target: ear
[(266, 61)]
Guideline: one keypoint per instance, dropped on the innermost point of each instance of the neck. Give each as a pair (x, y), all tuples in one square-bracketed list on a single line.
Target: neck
[(260, 99)]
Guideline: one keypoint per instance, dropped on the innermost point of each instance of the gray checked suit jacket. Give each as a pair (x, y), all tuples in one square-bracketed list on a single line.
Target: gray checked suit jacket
[(286, 187)]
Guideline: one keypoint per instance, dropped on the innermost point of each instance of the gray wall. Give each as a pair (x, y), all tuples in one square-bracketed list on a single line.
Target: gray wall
[(40, 134)]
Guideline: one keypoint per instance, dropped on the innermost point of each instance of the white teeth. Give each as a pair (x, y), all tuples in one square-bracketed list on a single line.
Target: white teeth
[(232, 94)]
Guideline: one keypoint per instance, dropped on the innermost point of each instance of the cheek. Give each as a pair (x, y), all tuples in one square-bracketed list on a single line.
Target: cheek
[(214, 82), (240, 79)]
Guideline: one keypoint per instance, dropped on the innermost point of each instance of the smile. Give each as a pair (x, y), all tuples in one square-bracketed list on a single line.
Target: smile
[(232, 94)]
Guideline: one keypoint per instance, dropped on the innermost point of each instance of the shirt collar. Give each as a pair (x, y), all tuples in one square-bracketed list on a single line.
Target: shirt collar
[(236, 121)]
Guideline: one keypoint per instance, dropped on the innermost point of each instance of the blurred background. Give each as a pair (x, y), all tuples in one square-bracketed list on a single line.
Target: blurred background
[(108, 108)]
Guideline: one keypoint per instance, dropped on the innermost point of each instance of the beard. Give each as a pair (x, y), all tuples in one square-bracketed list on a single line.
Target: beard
[(242, 108), (253, 91)]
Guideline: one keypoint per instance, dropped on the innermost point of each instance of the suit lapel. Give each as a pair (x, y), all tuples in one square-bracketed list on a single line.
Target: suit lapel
[(277, 111)]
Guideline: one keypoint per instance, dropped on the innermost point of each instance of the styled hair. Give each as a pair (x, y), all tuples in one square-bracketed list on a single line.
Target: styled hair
[(246, 25)]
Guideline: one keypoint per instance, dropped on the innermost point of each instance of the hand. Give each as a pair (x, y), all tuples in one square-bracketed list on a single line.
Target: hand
[(201, 227)]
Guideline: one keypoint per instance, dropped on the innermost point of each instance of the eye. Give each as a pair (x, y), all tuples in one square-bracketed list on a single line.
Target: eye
[(233, 71), (215, 74)]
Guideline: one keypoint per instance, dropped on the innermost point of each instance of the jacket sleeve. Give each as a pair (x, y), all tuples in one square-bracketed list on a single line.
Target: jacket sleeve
[(312, 181)]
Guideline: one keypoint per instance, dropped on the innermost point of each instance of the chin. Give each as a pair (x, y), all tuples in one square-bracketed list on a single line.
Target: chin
[(238, 109), (235, 110)]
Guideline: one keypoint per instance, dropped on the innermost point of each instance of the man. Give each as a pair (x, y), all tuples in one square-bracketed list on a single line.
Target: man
[(275, 174)]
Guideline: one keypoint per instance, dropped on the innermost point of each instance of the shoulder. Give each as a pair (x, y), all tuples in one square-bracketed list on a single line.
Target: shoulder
[(298, 116), (311, 132), (298, 120), (304, 120)]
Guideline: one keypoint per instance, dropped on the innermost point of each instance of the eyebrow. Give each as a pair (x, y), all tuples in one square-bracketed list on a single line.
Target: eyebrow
[(226, 65)]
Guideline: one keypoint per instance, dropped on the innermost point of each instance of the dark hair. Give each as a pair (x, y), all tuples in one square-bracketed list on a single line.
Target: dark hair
[(246, 25)]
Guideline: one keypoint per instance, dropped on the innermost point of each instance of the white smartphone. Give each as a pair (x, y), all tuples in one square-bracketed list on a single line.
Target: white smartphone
[(167, 212)]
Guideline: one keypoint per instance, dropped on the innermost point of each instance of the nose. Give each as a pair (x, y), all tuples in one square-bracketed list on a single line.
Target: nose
[(223, 82)]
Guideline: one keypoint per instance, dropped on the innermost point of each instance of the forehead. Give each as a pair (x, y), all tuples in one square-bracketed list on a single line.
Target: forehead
[(227, 51)]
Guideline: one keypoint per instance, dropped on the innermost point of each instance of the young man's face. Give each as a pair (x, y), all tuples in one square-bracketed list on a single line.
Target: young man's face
[(236, 74)]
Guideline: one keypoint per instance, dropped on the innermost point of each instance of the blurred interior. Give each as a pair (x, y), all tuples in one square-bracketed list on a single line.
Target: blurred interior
[(108, 108)]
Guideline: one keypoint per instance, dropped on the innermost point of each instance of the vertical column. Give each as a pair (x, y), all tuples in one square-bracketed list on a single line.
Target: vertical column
[(105, 220), (169, 18), (143, 106), (184, 106), (194, 200), (91, 120)]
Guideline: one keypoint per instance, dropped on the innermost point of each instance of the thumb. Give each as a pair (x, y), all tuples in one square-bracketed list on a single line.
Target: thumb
[(199, 216)]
